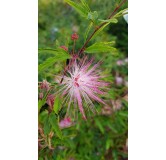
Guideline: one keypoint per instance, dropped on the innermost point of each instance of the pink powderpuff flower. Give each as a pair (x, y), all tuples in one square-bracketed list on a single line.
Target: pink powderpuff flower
[(65, 123), (82, 84)]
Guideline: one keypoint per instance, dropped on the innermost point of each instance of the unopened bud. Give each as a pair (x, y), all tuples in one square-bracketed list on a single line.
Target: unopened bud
[(64, 47), (74, 36)]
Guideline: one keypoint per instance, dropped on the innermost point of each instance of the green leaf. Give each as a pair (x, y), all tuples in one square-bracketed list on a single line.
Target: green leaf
[(109, 143), (87, 30), (112, 93), (54, 121), (105, 23), (124, 102), (123, 113), (85, 5), (122, 122), (56, 105), (99, 30), (93, 16), (100, 47), (98, 123), (50, 61), (112, 20), (57, 44), (81, 9), (57, 51), (47, 127), (42, 116), (113, 128), (40, 104), (115, 155), (121, 13), (43, 101)]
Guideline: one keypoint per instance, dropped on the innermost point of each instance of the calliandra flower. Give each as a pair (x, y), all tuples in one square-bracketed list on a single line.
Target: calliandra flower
[(82, 84), (65, 123)]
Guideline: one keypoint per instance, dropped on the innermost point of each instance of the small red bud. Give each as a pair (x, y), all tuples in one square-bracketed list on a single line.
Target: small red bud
[(74, 36), (64, 47)]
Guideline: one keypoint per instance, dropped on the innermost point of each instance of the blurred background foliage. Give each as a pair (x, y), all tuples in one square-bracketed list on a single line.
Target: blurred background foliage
[(103, 136)]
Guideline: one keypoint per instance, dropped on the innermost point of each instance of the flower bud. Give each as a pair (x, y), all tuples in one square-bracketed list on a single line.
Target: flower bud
[(41, 95), (74, 36), (45, 85), (119, 80), (50, 100), (64, 47)]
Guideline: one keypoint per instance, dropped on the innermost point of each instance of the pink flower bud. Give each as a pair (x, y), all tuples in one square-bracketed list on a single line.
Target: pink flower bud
[(64, 47), (50, 100), (119, 80), (41, 95), (44, 85), (119, 62), (74, 36)]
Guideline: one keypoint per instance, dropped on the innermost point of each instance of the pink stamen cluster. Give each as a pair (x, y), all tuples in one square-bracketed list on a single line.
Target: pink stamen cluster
[(82, 85)]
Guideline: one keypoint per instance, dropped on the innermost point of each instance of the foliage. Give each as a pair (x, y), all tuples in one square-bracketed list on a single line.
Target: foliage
[(104, 135)]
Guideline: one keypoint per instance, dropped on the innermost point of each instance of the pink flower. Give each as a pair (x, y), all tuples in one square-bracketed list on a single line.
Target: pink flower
[(65, 123), (119, 62), (82, 85), (119, 80)]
